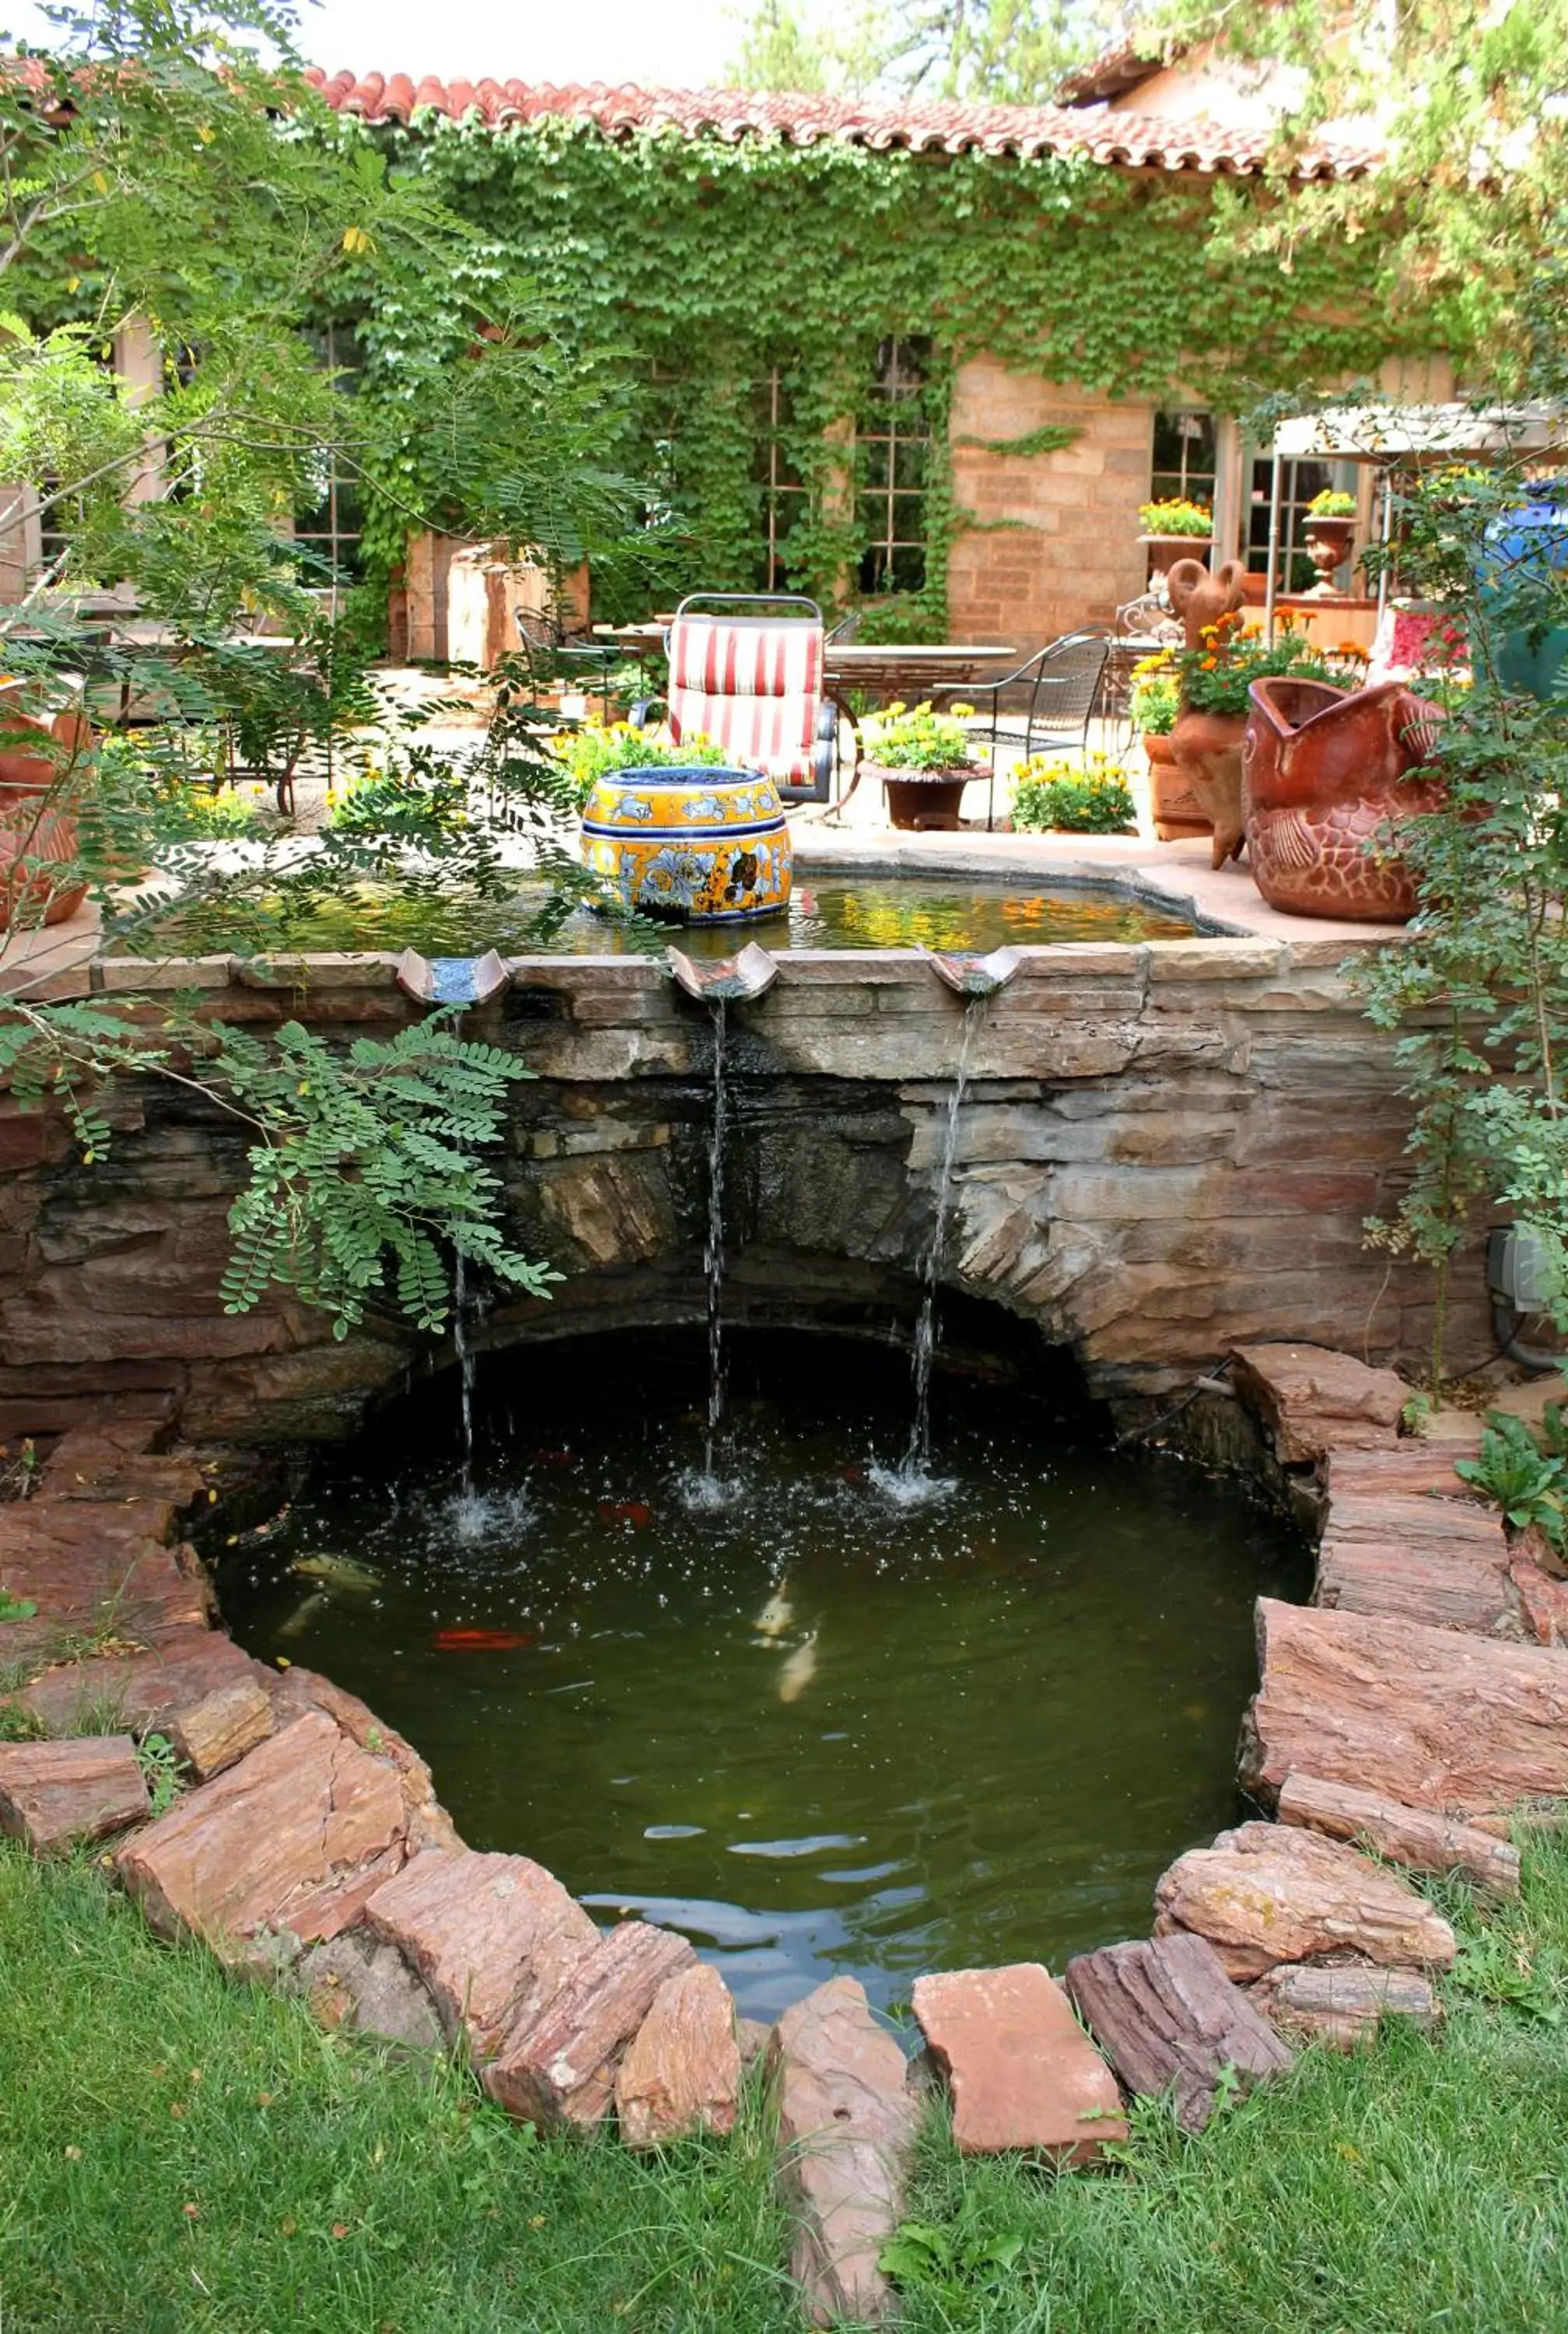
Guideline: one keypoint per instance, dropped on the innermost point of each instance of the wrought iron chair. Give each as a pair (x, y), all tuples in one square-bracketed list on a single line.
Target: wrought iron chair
[(848, 626), (1063, 680), (550, 656), (753, 683)]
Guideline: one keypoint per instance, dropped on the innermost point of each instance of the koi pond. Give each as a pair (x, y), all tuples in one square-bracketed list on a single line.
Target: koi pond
[(818, 1717), (826, 912)]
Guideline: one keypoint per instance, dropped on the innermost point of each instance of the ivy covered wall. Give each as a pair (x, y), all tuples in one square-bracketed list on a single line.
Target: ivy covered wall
[(738, 300)]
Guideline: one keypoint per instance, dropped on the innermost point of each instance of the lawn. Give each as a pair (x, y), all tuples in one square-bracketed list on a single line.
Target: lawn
[(178, 2153)]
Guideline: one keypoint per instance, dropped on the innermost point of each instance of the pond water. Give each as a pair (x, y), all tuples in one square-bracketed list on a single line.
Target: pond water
[(826, 912), (817, 1727)]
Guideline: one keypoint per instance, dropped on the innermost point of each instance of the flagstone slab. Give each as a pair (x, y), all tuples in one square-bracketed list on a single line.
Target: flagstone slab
[(681, 2072), (221, 1728), (93, 1568), (559, 2067), (1415, 1838), (493, 1938), (282, 1841), (1021, 2071), (1169, 2018), (297, 1690), (1266, 1894), (53, 1794), (846, 2124), (1429, 1717)]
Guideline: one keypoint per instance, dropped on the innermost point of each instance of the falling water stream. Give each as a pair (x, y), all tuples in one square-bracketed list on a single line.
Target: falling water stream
[(913, 1478), (465, 1354), (713, 1250)]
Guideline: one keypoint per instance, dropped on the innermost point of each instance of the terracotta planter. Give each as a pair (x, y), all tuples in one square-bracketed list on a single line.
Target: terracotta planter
[(1324, 769), (1207, 750), (1165, 550), (922, 800), (29, 830), (1177, 809), (1328, 542)]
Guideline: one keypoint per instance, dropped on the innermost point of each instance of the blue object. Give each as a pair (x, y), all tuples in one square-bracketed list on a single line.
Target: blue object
[(1527, 545)]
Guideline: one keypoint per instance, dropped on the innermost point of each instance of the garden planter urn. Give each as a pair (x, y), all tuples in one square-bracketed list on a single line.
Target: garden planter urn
[(1165, 550), (921, 799), (1326, 785), (1177, 809), (1328, 542), (697, 845), (1207, 748)]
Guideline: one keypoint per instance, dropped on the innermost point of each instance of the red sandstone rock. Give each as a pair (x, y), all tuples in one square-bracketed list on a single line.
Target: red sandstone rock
[(752, 2036), (91, 1567), (295, 1690), (1427, 1717), (846, 2122), (53, 1793), (1447, 1579), (1266, 1894), (272, 1843), (115, 1463), (1021, 2069), (1545, 1600), (214, 1732), (1411, 1469), (142, 1690), (1343, 2003), (1311, 1399), (494, 1937), (559, 2067), (1413, 1836), (681, 2073), (1169, 2018)]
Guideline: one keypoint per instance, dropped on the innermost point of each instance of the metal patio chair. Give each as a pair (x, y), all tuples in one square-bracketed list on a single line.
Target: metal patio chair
[(550, 657), (1063, 680), (753, 683)]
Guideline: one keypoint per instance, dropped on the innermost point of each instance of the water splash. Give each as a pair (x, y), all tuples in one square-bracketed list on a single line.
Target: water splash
[(916, 1470), (465, 1354), (704, 1493), (713, 1251), (908, 1485), (475, 1518)]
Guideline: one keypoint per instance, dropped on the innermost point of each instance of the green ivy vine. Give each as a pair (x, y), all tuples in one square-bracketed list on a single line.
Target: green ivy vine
[(689, 270)]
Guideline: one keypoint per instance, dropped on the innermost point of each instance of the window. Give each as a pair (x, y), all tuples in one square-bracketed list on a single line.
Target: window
[(1186, 462), (894, 444), (1299, 482), (774, 474), (331, 529)]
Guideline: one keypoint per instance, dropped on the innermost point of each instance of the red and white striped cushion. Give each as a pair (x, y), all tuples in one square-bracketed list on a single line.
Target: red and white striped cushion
[(751, 685)]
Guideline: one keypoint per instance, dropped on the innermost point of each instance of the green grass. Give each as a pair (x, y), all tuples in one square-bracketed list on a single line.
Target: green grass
[(1416, 2186)]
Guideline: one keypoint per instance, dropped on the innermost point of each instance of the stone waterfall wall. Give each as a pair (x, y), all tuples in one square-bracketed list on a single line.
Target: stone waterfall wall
[(1168, 1149)]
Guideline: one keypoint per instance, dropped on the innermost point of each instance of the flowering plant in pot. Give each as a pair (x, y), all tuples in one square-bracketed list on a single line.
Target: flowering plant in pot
[(1154, 705), (1331, 525), (923, 759), (1215, 675), (1065, 798), (1174, 528)]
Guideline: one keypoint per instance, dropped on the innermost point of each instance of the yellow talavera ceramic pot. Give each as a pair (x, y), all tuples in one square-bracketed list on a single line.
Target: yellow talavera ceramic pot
[(702, 846)]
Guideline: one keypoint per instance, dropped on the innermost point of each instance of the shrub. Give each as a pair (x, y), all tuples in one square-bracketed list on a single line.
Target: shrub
[(594, 751), (1333, 502), (1156, 694), (1092, 800)]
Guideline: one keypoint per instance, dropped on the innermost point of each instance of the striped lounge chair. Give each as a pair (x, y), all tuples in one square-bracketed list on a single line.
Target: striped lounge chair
[(753, 683)]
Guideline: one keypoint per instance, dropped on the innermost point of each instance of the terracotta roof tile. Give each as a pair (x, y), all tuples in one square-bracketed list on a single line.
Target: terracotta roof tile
[(1123, 140)]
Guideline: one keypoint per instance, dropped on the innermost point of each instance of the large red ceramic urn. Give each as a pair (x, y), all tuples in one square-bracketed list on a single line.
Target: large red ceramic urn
[(1326, 790), (35, 822)]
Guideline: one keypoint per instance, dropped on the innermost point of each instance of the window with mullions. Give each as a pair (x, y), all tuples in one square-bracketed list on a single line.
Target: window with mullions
[(1301, 481), (778, 480), (893, 449), (332, 528), (1185, 465)]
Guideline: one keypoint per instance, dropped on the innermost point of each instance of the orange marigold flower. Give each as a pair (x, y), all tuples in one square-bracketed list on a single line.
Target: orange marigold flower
[(1208, 664)]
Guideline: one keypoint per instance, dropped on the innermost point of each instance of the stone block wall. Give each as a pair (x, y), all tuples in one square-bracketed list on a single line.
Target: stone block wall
[(1057, 542), (1166, 1149)]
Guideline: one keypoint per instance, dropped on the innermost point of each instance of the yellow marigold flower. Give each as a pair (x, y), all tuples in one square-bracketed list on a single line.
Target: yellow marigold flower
[(962, 712), (897, 707)]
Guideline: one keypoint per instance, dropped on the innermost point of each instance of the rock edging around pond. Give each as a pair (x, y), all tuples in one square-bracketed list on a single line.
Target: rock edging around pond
[(1407, 1708)]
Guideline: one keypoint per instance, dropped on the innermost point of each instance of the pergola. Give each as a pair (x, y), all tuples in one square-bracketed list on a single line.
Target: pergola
[(1395, 437)]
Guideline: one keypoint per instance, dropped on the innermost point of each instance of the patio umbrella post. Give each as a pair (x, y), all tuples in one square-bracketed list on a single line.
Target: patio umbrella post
[(1271, 586)]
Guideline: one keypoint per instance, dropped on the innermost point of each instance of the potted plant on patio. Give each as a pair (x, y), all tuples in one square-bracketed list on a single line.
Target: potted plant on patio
[(1214, 677), (1155, 702), (1330, 527), (1060, 798), (923, 760), (1174, 529)]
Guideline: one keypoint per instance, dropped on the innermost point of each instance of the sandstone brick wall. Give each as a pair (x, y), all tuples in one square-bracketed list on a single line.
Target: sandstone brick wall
[(1073, 552), (1166, 1149)]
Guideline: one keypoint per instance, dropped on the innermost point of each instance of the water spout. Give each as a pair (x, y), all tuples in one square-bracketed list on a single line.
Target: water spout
[(451, 979), (735, 979), (976, 975)]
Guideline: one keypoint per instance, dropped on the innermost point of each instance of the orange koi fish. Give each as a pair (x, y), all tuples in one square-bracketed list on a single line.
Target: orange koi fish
[(481, 1641)]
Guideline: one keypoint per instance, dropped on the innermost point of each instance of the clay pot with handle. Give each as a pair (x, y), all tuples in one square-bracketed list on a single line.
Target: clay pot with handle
[(1208, 747), (1326, 786)]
